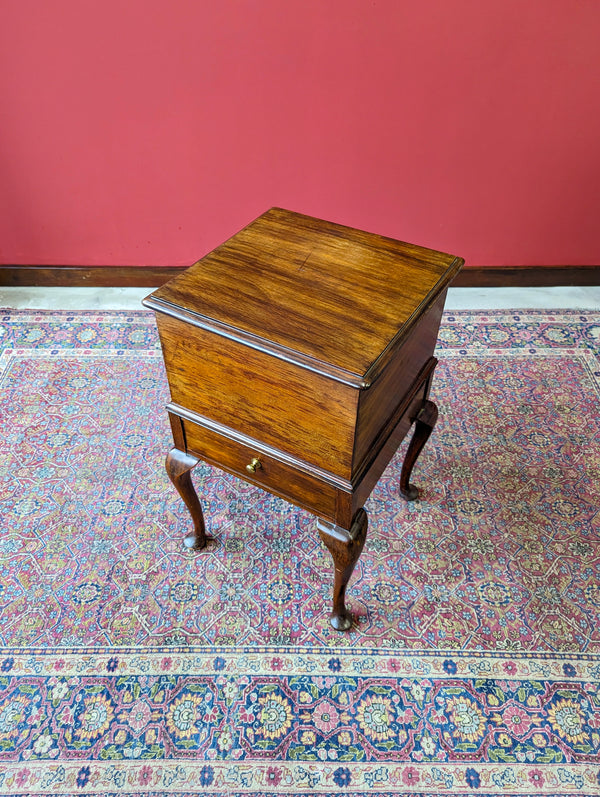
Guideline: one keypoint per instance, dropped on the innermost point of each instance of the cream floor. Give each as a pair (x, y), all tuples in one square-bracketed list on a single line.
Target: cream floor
[(584, 298)]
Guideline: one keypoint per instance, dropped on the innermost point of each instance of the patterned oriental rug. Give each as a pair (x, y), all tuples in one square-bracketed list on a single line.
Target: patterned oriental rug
[(130, 665)]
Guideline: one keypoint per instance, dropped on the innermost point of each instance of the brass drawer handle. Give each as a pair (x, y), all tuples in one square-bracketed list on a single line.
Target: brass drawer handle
[(255, 465)]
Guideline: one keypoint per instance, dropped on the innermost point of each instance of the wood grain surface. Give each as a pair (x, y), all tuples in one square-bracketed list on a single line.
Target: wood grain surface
[(270, 474), (293, 409), (329, 292)]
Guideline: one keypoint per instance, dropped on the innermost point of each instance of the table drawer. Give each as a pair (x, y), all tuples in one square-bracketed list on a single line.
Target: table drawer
[(303, 489)]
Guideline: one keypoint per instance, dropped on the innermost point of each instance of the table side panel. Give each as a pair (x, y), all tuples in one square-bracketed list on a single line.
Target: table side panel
[(378, 403), (283, 480), (363, 489), (288, 407)]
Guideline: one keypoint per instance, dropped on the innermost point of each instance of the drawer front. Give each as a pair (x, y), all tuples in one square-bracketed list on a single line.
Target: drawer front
[(302, 489)]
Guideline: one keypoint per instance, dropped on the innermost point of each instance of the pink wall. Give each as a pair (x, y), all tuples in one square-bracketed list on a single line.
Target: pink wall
[(147, 131)]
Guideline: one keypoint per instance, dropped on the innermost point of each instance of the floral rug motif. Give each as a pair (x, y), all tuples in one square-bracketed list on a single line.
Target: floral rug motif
[(130, 665), (249, 721)]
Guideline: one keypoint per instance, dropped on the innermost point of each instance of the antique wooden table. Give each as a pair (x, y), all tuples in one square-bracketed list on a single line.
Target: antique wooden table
[(298, 355)]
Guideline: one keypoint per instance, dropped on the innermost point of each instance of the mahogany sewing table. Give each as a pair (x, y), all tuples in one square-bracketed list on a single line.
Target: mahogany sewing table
[(298, 355)]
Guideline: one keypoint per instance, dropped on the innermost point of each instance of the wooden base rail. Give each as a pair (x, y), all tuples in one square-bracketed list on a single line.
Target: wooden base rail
[(154, 276)]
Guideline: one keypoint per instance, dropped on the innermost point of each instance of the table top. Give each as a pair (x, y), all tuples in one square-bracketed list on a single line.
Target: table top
[(311, 288)]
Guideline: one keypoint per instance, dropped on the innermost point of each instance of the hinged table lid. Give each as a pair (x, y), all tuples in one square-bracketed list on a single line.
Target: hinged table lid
[(321, 293)]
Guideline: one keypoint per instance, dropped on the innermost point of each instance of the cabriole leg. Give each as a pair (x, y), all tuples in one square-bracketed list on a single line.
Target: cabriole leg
[(424, 423), (345, 548), (179, 467)]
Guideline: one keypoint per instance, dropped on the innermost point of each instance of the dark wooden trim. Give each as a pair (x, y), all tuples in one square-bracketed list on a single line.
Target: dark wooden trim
[(154, 276), (526, 276), (88, 276)]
